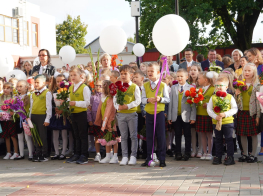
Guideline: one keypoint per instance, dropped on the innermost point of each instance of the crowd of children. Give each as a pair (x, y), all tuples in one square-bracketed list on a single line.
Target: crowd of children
[(147, 102)]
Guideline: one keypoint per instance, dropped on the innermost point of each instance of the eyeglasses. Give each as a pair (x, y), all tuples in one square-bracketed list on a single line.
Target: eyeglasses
[(221, 85), (42, 55), (98, 86)]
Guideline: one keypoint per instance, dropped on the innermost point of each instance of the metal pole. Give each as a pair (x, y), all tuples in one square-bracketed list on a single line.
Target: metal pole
[(137, 35), (177, 12)]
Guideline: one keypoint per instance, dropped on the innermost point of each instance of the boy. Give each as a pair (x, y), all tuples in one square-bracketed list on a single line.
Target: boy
[(79, 101), (149, 98), (138, 80), (221, 84), (114, 76), (41, 112), (181, 115), (127, 116)]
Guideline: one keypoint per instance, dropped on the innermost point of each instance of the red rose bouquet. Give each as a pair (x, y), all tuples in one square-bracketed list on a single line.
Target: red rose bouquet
[(221, 106), (119, 90), (194, 96)]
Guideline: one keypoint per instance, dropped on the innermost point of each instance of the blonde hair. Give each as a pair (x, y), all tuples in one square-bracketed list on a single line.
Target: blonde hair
[(154, 64), (105, 55), (230, 74), (210, 80), (191, 80), (145, 64), (26, 99), (239, 52), (76, 68), (106, 71), (222, 79), (89, 79), (28, 63), (255, 79), (218, 57), (182, 70), (256, 52), (173, 75), (227, 61)]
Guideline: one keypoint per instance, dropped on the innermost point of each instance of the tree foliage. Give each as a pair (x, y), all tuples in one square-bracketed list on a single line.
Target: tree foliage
[(232, 22), (130, 39), (71, 32)]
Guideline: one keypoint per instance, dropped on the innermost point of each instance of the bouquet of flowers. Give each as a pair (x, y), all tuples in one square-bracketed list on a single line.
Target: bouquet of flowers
[(142, 133), (119, 89), (95, 70), (4, 116), (220, 106), (175, 82), (108, 139), (241, 85), (194, 96), (113, 61), (215, 68), (63, 94)]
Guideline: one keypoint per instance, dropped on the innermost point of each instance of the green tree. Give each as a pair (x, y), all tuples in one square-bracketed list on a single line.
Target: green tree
[(72, 32), (232, 21), (130, 39)]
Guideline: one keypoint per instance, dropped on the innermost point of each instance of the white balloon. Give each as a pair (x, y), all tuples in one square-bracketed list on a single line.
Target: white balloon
[(138, 49), (113, 39), (6, 63), (170, 34), (66, 75), (67, 54), (18, 74)]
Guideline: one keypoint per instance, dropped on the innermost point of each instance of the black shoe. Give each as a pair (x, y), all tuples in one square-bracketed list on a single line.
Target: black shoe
[(35, 159), (187, 156), (73, 159), (252, 159), (55, 157), (145, 164), (230, 161), (244, 158), (217, 161), (178, 156), (162, 164), (19, 157), (43, 159), (144, 156), (30, 158), (82, 160), (62, 157), (170, 153)]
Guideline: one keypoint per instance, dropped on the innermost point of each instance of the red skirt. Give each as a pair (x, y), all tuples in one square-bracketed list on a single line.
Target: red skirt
[(9, 129), (203, 124), (95, 131), (246, 125)]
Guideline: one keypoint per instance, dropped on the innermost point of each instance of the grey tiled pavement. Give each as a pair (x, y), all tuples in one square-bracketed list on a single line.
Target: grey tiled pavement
[(193, 177)]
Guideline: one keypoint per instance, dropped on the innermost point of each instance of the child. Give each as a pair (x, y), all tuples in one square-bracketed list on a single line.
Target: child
[(195, 69), (79, 102), (114, 76), (13, 81), (41, 112), (149, 99), (91, 114), (143, 68), (104, 77), (249, 112), (104, 117), (8, 127), (227, 123), (127, 116), (203, 120), (22, 89), (2, 81), (138, 80), (31, 82), (181, 115)]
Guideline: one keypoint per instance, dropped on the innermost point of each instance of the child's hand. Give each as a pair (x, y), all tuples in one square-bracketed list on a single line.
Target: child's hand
[(170, 122), (218, 118), (152, 100), (61, 101), (165, 115), (90, 123), (257, 121), (158, 99), (46, 124), (205, 105), (238, 91), (72, 103), (192, 122), (11, 113), (123, 107), (89, 107), (222, 115)]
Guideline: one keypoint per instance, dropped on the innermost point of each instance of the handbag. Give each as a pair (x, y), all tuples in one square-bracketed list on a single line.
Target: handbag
[(26, 128)]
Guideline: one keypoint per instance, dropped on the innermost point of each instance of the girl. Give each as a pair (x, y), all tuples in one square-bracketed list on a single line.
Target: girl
[(9, 128), (203, 123), (13, 81), (249, 112), (193, 78), (22, 89), (57, 122), (105, 115), (91, 113), (31, 83), (143, 68)]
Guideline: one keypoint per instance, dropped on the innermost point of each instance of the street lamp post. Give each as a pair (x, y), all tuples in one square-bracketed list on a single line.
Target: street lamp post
[(177, 12), (137, 35)]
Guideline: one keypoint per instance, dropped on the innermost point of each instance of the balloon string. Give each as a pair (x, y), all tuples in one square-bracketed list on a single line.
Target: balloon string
[(68, 67)]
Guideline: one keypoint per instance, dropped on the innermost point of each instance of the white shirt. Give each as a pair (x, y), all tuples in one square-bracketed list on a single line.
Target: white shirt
[(180, 86), (48, 104), (189, 64), (165, 98), (42, 69), (233, 109), (205, 88), (86, 95), (103, 98), (133, 104)]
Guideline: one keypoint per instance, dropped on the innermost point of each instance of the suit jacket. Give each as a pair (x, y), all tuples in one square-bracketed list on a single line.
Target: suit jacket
[(205, 64), (188, 112), (50, 69), (184, 65)]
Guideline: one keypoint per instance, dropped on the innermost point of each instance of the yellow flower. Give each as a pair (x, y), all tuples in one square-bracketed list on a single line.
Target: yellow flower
[(65, 89), (244, 80)]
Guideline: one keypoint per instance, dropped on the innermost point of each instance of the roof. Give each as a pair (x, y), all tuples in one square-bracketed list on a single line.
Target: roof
[(98, 38)]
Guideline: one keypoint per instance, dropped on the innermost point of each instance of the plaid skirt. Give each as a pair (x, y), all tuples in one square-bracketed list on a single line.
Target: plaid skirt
[(246, 125), (95, 131), (9, 129), (114, 134), (203, 124)]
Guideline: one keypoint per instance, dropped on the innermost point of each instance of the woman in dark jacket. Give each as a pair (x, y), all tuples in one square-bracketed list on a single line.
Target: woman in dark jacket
[(45, 65)]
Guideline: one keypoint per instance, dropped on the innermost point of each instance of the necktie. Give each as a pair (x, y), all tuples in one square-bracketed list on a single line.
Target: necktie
[(182, 89)]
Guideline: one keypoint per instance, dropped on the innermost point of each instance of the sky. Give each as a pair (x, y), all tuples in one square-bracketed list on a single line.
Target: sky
[(98, 14)]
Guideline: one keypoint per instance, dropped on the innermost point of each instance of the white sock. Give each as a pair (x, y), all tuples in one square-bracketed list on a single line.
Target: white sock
[(29, 145), (98, 153), (21, 143), (55, 141), (65, 140), (108, 155), (115, 155)]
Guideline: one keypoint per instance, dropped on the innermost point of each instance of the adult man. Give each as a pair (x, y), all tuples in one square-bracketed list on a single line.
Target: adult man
[(188, 53), (211, 58)]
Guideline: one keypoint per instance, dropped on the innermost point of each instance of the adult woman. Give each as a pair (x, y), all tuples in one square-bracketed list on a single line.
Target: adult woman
[(236, 55), (243, 61), (28, 68), (45, 65), (105, 61), (254, 56)]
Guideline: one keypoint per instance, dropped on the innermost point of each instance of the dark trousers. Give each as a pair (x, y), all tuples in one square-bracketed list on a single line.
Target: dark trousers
[(179, 125), (80, 131), (141, 123), (159, 134), (38, 120), (227, 131)]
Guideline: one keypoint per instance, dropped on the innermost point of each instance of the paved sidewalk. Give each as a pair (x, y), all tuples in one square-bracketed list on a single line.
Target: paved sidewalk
[(193, 177)]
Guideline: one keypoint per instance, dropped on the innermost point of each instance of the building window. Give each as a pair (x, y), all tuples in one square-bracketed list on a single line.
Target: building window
[(34, 31), (26, 41), (8, 29)]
